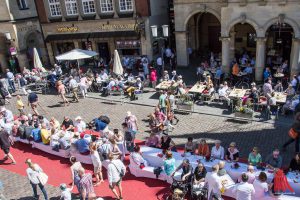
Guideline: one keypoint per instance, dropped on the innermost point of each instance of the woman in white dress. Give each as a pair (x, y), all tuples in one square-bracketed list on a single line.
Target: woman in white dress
[(137, 157)]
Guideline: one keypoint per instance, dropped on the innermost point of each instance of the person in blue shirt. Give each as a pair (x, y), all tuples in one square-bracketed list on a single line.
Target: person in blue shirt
[(99, 125), (36, 133), (82, 145), (218, 73), (248, 69), (267, 73)]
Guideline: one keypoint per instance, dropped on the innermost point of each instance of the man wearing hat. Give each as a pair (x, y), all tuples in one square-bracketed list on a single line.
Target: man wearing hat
[(79, 124), (7, 114)]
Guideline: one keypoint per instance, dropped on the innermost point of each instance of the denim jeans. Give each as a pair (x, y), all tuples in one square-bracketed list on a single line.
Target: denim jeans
[(11, 85), (34, 188)]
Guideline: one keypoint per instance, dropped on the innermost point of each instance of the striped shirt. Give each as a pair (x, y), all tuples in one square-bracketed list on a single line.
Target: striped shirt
[(86, 184)]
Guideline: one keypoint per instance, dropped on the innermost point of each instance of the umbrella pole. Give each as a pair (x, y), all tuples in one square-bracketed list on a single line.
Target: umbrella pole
[(78, 68)]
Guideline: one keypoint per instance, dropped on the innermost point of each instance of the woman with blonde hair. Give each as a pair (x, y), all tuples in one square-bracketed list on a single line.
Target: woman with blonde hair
[(62, 92)]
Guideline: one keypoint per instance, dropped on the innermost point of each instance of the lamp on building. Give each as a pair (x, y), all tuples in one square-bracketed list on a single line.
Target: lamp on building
[(165, 35), (8, 36)]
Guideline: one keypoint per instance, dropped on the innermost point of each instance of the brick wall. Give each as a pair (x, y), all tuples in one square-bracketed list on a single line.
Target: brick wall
[(41, 11), (143, 7)]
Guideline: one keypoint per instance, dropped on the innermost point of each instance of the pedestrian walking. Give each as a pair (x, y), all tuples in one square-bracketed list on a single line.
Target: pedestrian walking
[(96, 163), (34, 172), (86, 185), (10, 78), (62, 92), (74, 88), (115, 172), (76, 165), (294, 134), (4, 92), (5, 144), (33, 101)]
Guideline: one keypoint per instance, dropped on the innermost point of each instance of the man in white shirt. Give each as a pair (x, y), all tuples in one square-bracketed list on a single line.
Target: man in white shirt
[(250, 173), (217, 151), (214, 182), (114, 170), (58, 70), (74, 88), (8, 115), (159, 63), (103, 75), (244, 190), (10, 78)]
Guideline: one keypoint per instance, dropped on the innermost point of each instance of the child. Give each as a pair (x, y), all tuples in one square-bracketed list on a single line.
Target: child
[(66, 192), (20, 105), (96, 163)]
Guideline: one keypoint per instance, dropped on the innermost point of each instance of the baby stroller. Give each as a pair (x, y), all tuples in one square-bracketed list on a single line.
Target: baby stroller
[(179, 189), (199, 192)]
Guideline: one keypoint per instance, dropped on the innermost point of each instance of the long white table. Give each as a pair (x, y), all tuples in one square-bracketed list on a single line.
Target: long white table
[(151, 155)]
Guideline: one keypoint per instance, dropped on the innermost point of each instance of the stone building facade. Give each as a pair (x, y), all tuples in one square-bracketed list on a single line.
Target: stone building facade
[(20, 32), (265, 20), (100, 25)]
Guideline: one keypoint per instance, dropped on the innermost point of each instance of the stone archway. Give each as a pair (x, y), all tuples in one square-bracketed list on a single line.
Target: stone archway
[(203, 30)]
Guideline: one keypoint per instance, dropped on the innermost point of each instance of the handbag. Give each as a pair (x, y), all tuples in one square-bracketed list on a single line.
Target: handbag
[(121, 172), (43, 178), (293, 134)]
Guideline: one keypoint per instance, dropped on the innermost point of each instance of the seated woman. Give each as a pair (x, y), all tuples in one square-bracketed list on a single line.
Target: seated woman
[(217, 151), (189, 147), (290, 92), (199, 175), (169, 163), (222, 171), (295, 163), (261, 186), (137, 157), (166, 143), (254, 157), (152, 141), (203, 148), (232, 153)]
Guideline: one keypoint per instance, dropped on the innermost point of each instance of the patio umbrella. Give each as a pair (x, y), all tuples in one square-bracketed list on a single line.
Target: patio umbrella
[(37, 61), (76, 54), (118, 68)]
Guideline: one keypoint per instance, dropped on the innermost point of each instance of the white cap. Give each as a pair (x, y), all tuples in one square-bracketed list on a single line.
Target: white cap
[(129, 113), (78, 118), (3, 109)]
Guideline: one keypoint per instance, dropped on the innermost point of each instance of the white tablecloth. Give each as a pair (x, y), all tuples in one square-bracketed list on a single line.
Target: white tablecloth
[(151, 155)]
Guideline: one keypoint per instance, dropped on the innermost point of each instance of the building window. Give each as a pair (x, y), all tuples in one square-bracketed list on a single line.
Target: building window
[(22, 4), (106, 6), (71, 7), (88, 6), (55, 9), (125, 5)]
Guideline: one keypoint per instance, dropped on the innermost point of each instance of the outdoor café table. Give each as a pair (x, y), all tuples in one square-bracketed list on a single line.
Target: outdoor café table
[(197, 88), (280, 97), (237, 93), (165, 85), (151, 155)]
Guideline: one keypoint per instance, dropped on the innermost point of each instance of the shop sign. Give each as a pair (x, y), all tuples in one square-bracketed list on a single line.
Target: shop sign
[(64, 29), (28, 28), (106, 27)]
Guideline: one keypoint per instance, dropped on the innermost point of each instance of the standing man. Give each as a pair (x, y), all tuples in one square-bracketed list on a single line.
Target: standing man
[(159, 63), (244, 190), (162, 102), (74, 88), (33, 101), (86, 185), (5, 145), (10, 77), (214, 183), (115, 171)]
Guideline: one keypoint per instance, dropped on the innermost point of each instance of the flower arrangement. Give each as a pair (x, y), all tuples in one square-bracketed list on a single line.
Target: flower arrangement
[(244, 109), (185, 99)]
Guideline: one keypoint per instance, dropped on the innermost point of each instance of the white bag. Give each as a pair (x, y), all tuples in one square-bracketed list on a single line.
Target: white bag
[(43, 178)]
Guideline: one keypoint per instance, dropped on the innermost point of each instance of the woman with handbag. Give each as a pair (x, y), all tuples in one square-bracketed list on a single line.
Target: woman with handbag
[(36, 177)]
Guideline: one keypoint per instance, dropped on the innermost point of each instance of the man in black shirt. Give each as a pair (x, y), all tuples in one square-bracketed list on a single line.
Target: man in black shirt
[(67, 124)]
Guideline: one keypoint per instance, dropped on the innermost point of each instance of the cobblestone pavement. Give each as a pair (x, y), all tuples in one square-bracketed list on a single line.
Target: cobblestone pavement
[(266, 136), (18, 187)]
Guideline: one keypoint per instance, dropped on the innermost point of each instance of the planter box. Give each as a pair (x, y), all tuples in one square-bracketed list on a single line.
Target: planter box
[(243, 115), (185, 107)]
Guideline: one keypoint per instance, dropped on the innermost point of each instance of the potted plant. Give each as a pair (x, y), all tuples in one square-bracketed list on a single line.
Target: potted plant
[(243, 112), (185, 102)]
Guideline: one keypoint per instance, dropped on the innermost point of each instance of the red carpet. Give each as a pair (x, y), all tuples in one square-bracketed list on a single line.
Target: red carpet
[(58, 171)]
